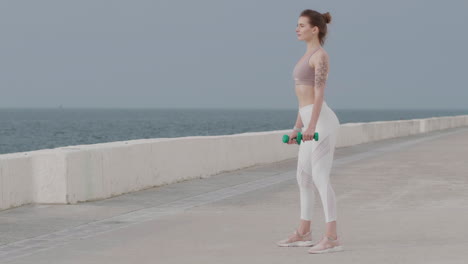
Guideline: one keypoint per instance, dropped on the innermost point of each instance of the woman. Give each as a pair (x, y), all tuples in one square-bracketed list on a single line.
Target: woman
[(315, 157)]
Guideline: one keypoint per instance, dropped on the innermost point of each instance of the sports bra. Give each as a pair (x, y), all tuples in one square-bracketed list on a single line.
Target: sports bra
[(303, 73)]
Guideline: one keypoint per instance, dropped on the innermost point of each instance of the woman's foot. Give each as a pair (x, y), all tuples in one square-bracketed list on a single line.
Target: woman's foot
[(297, 240), (326, 245)]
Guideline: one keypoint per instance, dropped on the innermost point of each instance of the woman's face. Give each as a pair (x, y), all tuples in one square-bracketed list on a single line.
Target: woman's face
[(304, 30)]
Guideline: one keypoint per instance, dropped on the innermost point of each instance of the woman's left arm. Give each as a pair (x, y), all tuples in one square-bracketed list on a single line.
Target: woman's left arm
[(321, 74)]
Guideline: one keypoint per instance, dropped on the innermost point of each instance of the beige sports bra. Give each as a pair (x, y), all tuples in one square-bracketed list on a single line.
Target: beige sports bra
[(303, 73)]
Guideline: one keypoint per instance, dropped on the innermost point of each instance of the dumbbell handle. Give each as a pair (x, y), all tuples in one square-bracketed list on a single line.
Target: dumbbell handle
[(299, 137)]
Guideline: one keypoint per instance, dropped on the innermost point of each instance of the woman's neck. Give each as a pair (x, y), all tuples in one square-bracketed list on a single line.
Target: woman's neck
[(313, 45)]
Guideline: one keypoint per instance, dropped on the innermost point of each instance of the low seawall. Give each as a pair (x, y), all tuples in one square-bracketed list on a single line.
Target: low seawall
[(91, 172)]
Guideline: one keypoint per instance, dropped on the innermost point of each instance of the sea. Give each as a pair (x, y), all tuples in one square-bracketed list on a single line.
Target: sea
[(30, 129)]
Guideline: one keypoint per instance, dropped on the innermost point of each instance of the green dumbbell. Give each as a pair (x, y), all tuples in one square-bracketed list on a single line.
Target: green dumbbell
[(299, 137)]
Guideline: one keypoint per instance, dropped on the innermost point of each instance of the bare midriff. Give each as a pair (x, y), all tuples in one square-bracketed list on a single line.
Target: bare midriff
[(305, 94)]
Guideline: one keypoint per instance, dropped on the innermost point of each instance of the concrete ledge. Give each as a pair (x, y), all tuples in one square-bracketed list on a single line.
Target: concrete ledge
[(99, 171), (16, 180)]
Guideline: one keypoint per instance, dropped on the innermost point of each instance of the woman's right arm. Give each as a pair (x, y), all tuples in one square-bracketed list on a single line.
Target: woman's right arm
[(293, 134), (299, 121)]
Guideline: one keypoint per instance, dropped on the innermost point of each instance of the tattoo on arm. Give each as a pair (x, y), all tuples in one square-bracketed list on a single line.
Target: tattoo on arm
[(321, 72)]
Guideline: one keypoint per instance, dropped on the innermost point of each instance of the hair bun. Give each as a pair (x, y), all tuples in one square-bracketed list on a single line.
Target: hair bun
[(327, 17)]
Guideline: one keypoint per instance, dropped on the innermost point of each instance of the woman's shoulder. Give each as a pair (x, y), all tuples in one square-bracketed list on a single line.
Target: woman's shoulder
[(320, 55)]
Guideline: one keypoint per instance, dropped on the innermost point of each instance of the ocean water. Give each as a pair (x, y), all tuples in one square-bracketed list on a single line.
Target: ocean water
[(33, 129)]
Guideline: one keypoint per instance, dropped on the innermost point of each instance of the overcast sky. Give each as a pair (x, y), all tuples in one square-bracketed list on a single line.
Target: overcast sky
[(233, 54)]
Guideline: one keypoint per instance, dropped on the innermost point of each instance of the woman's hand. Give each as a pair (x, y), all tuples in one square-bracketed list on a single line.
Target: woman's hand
[(308, 134), (292, 137)]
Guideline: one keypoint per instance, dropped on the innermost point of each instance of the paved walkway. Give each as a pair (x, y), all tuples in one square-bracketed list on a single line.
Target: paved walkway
[(401, 200)]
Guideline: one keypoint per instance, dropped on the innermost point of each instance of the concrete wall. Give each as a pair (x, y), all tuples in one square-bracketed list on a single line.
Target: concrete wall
[(90, 172)]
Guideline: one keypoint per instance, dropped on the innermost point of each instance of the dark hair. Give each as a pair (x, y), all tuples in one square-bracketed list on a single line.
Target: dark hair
[(319, 20)]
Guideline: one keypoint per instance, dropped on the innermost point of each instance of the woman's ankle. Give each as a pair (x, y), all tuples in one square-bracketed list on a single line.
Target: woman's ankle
[(303, 231), (304, 227)]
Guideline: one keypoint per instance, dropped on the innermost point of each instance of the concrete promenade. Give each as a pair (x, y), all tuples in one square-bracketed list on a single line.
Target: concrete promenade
[(400, 200)]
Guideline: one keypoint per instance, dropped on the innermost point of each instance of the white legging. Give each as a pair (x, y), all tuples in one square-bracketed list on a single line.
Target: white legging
[(314, 163)]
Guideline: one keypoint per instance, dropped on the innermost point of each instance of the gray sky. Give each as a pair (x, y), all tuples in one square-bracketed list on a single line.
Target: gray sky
[(234, 54)]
